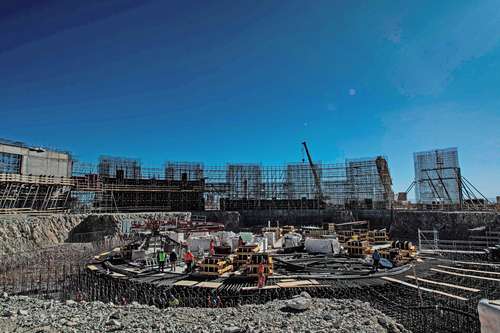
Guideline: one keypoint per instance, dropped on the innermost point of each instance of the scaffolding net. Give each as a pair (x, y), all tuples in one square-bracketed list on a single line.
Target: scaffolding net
[(437, 176), (123, 184)]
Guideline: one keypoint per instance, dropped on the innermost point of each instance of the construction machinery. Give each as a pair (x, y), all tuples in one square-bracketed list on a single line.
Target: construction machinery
[(314, 171)]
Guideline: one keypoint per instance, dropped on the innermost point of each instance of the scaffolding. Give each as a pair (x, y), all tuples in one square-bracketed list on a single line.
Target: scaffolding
[(361, 183), (187, 171), (437, 177), (119, 167), (19, 193), (123, 185), (440, 183)]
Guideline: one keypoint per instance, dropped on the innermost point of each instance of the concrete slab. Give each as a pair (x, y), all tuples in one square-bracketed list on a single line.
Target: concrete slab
[(186, 283), (214, 285), (294, 284)]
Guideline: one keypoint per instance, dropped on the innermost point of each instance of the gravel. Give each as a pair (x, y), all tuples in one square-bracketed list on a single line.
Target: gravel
[(24, 314)]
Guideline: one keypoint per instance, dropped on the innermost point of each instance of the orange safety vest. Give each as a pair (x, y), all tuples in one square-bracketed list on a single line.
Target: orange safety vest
[(188, 257)]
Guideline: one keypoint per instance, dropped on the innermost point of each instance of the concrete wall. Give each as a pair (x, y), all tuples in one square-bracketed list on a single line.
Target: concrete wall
[(251, 218), (404, 224), (38, 162)]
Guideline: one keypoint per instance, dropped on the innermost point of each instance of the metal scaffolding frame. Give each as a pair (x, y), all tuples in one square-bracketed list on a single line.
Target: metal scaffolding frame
[(440, 183), (361, 183)]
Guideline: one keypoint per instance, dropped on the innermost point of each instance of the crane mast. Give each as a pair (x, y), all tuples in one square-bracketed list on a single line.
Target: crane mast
[(317, 181)]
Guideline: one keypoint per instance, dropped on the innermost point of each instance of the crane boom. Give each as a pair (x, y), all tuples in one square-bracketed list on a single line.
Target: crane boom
[(317, 181)]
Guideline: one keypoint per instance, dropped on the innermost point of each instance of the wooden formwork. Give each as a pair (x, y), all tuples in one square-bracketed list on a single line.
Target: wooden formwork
[(377, 236), (215, 265), (357, 247), (254, 262), (243, 254), (345, 235)]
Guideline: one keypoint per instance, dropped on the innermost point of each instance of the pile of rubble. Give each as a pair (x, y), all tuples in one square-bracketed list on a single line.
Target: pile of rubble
[(24, 314)]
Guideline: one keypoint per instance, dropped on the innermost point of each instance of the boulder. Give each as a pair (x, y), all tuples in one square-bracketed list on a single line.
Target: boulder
[(299, 303)]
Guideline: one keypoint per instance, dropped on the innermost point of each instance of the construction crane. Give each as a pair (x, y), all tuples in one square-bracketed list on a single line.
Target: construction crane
[(317, 181)]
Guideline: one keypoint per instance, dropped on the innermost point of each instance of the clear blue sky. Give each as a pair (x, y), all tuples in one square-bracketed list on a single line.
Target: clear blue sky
[(248, 81)]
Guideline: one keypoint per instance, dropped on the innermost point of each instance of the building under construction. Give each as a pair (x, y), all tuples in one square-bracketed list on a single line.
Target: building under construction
[(42, 179), (440, 183), (126, 186), (33, 178)]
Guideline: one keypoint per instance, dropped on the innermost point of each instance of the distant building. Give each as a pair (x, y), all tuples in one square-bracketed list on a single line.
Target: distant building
[(19, 158), (437, 176), (33, 178)]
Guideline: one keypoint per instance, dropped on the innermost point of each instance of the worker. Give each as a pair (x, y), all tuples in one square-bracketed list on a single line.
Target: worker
[(173, 260), (261, 274), (212, 247), (376, 260), (162, 257), (240, 241), (188, 259)]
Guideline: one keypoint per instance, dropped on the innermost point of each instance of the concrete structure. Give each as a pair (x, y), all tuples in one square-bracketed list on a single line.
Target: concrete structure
[(33, 179), (18, 158)]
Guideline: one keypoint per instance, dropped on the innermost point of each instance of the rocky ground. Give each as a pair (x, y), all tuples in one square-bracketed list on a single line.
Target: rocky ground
[(24, 314)]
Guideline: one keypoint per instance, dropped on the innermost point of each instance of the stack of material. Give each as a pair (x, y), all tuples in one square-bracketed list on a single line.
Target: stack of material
[(325, 245), (176, 236), (261, 242), (345, 235), (271, 238), (215, 265), (243, 254), (227, 238), (197, 244), (292, 240), (255, 260), (377, 236), (247, 237), (357, 247)]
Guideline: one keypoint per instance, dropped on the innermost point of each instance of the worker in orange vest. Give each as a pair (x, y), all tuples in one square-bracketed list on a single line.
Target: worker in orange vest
[(212, 247), (261, 275), (188, 259)]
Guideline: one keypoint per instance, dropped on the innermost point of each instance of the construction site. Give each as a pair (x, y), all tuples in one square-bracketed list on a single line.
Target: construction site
[(190, 235)]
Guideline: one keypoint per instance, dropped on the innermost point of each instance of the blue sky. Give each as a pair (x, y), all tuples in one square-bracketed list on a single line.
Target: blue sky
[(248, 81)]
